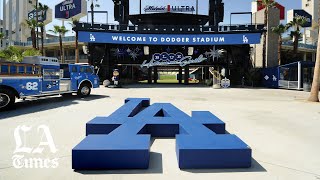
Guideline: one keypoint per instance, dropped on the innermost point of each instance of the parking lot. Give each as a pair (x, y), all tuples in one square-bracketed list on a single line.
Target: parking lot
[(279, 125)]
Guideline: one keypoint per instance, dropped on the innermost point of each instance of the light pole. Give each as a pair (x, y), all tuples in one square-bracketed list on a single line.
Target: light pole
[(92, 23), (92, 6)]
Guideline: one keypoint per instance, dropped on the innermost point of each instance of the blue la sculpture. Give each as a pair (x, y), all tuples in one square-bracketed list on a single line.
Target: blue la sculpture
[(122, 140)]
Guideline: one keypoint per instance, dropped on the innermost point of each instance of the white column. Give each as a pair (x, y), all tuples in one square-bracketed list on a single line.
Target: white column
[(4, 24), (10, 23), (299, 75), (17, 20)]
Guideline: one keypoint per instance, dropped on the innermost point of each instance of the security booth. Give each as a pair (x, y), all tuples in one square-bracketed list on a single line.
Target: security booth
[(296, 76)]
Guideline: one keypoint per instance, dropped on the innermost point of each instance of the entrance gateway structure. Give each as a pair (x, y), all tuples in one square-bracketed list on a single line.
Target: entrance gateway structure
[(172, 38)]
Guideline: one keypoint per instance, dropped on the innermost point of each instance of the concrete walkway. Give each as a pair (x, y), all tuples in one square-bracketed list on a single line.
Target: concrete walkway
[(280, 126)]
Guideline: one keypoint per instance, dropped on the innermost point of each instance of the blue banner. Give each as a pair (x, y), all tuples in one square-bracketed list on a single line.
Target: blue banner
[(169, 39)]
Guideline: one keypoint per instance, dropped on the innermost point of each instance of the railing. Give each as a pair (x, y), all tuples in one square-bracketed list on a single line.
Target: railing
[(288, 84), (300, 45), (216, 76), (169, 28), (46, 41)]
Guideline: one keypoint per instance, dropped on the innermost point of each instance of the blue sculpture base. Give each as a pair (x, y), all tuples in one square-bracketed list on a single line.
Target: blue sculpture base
[(122, 140)]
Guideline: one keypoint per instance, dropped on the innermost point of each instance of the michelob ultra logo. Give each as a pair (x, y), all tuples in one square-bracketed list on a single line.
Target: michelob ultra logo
[(169, 8)]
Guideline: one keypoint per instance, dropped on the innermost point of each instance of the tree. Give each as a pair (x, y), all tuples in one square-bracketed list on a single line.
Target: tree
[(267, 4), (37, 23), (279, 30), (73, 24), (15, 54), (42, 8), (32, 24), (314, 95), (61, 31), (296, 23), (1, 36)]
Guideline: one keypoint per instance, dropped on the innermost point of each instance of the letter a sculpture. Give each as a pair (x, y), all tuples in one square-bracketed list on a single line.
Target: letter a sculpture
[(122, 140)]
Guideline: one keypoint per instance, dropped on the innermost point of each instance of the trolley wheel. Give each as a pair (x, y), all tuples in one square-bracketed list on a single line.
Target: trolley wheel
[(7, 98), (84, 90)]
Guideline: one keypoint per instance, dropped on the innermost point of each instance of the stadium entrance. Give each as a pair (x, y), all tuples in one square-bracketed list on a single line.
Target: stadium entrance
[(164, 47)]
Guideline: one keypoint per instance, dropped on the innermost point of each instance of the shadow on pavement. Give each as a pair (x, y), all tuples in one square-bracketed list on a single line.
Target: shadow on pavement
[(155, 167), (255, 167), (136, 86), (43, 104)]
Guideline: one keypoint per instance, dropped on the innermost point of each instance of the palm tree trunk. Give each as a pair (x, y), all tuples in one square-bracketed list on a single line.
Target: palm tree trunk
[(33, 38), (42, 43), (295, 44), (264, 48), (279, 50), (77, 47), (37, 19), (314, 95), (61, 51)]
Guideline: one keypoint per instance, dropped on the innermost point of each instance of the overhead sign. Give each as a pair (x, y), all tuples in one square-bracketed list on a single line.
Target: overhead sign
[(43, 16), (169, 9), (71, 9), (169, 39), (293, 13)]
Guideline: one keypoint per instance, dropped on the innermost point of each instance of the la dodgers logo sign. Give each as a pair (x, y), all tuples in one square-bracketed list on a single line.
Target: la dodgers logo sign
[(122, 140)]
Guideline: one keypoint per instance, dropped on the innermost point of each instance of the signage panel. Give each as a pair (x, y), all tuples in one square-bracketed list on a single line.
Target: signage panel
[(300, 13), (169, 39), (46, 18), (71, 9), (169, 9), (260, 6)]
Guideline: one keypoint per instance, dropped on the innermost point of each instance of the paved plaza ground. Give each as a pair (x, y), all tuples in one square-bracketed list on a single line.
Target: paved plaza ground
[(282, 129)]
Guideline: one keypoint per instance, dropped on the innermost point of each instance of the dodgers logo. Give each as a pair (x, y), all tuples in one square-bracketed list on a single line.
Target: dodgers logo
[(92, 38), (122, 140), (245, 39)]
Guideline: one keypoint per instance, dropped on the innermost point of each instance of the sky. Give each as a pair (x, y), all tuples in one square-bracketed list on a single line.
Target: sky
[(230, 6)]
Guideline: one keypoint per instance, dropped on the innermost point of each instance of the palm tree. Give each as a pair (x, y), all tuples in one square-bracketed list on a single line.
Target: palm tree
[(15, 54), (43, 8), (32, 24), (73, 24), (37, 20), (314, 95), (296, 23), (41, 25), (61, 31), (267, 4), (279, 30)]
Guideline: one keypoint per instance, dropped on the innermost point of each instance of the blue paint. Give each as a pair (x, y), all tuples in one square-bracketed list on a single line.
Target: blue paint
[(122, 140), (270, 77), (169, 39)]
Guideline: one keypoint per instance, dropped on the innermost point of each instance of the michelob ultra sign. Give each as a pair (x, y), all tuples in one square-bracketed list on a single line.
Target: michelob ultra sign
[(71, 9)]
